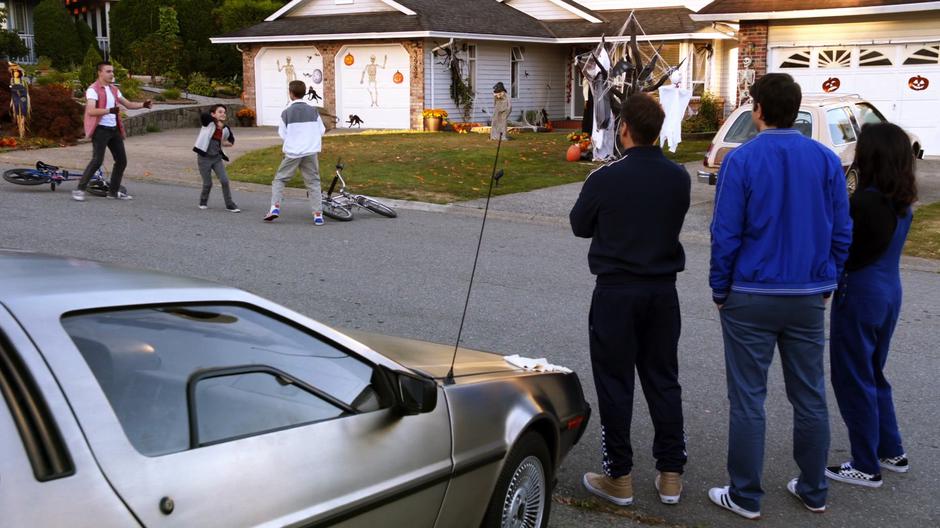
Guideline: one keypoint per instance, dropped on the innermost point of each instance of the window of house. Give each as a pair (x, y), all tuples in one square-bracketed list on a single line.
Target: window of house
[(929, 54), (873, 57), (472, 67), (797, 59), (835, 58), (148, 359), (515, 64), (840, 126), (700, 56)]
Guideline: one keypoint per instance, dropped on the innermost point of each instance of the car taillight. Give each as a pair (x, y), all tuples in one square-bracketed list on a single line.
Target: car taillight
[(708, 154)]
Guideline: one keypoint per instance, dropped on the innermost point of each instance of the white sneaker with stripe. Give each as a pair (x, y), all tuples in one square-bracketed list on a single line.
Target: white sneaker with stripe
[(722, 498)]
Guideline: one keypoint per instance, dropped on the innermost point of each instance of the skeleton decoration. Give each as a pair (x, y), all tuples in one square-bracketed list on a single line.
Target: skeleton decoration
[(745, 80), (603, 74)]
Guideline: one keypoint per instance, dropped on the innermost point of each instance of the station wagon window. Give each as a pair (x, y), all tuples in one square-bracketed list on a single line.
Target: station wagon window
[(867, 114), (840, 126), (743, 128), (147, 359)]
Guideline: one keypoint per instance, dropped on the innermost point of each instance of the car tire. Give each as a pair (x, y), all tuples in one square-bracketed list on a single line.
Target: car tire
[(526, 477)]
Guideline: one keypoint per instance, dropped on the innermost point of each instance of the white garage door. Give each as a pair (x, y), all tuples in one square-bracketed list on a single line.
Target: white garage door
[(373, 82), (902, 80), (275, 68)]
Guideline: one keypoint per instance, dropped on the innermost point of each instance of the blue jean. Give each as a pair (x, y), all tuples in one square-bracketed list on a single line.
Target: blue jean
[(752, 325)]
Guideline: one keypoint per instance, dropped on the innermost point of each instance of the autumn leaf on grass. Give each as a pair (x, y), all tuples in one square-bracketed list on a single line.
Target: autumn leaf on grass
[(420, 178)]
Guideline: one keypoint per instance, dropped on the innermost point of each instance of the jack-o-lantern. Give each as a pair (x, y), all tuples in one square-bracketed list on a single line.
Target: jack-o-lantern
[(831, 84), (398, 78), (349, 60), (918, 84)]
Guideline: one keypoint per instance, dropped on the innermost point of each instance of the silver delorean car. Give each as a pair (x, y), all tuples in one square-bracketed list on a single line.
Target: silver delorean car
[(135, 398)]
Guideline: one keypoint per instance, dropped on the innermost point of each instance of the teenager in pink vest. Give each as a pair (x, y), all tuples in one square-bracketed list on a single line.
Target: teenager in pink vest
[(103, 125)]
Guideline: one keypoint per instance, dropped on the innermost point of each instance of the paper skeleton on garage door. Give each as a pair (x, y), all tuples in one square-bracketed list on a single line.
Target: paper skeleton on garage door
[(372, 70), (602, 74)]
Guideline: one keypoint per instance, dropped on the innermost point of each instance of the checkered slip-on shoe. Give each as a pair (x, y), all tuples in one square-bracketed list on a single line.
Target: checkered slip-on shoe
[(849, 475), (898, 464)]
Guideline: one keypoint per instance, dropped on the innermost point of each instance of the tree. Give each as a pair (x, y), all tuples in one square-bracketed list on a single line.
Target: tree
[(89, 70), (239, 14), (86, 36), (131, 22), (158, 52), (11, 45), (56, 34)]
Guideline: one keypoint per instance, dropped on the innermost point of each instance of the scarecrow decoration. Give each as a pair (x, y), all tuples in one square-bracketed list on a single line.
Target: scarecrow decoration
[(19, 98), (502, 107), (608, 66)]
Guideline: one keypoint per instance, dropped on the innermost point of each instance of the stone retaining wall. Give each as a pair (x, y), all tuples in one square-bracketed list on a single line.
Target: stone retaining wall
[(180, 117)]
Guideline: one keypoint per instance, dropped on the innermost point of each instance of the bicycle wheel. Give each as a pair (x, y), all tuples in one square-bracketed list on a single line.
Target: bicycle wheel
[(25, 177), (337, 212), (378, 207)]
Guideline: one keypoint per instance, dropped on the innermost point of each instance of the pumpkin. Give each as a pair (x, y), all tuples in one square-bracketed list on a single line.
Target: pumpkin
[(831, 84), (918, 84), (348, 60), (398, 78), (574, 153), (585, 145)]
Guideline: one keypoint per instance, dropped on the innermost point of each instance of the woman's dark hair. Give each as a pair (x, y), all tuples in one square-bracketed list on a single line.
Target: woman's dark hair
[(779, 97), (885, 161), (215, 107)]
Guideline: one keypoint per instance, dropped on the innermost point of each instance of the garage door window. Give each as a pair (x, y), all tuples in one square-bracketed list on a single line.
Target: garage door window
[(873, 57), (840, 126), (925, 55), (149, 360), (797, 59), (835, 58)]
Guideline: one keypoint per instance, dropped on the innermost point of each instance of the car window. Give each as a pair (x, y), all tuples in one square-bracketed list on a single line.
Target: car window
[(743, 128), (840, 126), (145, 358), (868, 114)]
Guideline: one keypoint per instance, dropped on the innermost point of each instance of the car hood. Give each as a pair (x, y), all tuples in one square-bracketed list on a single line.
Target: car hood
[(433, 359)]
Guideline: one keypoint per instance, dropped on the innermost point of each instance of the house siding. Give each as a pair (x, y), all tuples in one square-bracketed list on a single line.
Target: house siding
[(330, 7), (545, 65)]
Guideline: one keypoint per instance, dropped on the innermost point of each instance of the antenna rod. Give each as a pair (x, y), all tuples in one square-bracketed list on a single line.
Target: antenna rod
[(493, 178)]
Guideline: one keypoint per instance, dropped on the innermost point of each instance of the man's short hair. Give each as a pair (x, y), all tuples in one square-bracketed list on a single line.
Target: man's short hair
[(102, 64), (297, 88), (644, 117), (779, 97)]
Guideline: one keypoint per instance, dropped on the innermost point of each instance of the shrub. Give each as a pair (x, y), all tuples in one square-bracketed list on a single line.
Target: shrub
[(708, 117), (173, 79), (152, 127), (120, 72), (199, 84), (12, 45), (89, 70), (159, 97), (56, 34), (86, 36), (55, 114), (130, 88), (172, 93), (53, 77)]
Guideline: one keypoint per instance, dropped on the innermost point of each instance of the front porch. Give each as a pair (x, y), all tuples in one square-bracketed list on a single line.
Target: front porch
[(94, 12)]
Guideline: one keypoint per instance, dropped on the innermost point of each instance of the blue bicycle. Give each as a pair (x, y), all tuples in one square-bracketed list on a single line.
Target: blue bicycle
[(54, 176)]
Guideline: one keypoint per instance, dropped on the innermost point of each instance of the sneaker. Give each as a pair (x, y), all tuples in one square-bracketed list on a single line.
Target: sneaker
[(616, 490), (791, 486), (203, 206), (848, 474), (233, 209), (273, 214), (318, 219), (120, 196), (722, 498), (669, 486), (898, 464), (78, 195)]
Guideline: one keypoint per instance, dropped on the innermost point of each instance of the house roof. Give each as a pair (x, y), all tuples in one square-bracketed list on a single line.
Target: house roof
[(785, 9), (442, 18), (653, 22)]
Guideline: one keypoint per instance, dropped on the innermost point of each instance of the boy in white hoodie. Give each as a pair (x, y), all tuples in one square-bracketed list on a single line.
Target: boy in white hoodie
[(302, 131), (213, 135)]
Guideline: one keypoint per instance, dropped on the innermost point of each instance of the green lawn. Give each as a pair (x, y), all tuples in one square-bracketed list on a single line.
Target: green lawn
[(924, 238), (441, 167)]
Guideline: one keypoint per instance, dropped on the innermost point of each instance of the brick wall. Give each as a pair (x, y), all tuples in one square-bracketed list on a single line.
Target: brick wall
[(752, 42), (328, 50)]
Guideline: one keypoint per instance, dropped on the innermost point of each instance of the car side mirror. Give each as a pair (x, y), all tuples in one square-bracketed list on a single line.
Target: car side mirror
[(413, 394)]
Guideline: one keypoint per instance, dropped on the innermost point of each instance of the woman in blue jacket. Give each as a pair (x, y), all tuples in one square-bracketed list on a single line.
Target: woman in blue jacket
[(868, 302)]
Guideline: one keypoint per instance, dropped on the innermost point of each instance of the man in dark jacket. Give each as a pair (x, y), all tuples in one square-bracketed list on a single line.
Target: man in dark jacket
[(633, 210), (780, 236)]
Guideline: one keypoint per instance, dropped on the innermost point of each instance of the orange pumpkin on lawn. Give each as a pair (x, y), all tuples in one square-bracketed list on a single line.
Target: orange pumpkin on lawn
[(574, 152)]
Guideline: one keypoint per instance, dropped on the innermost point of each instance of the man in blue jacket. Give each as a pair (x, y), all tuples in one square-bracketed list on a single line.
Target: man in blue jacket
[(780, 236)]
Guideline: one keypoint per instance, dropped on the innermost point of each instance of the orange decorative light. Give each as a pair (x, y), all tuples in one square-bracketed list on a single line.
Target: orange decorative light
[(349, 60)]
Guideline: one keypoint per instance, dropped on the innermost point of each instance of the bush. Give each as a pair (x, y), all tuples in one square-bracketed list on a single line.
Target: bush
[(173, 79), (86, 36), (130, 88), (172, 93), (55, 114), (12, 45), (708, 117), (199, 84), (89, 70), (152, 127), (159, 97), (120, 72), (56, 34)]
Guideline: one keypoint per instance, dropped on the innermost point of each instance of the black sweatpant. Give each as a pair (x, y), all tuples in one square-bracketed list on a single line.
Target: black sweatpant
[(636, 325), (109, 137)]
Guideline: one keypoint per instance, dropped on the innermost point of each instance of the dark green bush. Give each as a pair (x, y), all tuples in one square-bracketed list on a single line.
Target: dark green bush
[(172, 93)]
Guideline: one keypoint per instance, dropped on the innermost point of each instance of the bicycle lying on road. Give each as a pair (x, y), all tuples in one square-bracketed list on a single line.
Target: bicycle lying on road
[(338, 205), (54, 176)]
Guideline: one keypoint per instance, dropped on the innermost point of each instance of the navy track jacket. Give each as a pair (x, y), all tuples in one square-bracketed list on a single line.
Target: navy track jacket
[(781, 224)]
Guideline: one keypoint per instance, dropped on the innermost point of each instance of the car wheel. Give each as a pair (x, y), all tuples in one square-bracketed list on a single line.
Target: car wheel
[(851, 180), (522, 497)]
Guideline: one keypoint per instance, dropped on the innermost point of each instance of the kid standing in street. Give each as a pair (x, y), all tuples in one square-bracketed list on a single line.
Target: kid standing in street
[(213, 135), (302, 131)]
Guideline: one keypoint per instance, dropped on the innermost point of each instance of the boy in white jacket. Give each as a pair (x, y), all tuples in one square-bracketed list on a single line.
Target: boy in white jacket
[(213, 135), (302, 131)]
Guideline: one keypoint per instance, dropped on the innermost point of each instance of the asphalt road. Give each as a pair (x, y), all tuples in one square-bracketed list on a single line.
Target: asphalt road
[(408, 277)]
